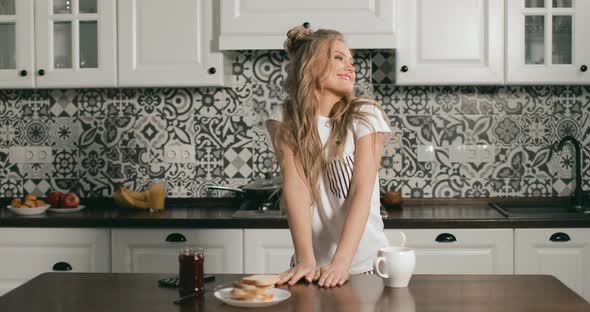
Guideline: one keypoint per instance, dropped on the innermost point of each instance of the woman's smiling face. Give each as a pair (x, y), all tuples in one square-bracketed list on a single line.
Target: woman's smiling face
[(341, 79)]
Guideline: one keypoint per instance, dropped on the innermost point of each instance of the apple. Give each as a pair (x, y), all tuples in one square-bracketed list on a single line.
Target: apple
[(54, 199), (70, 200)]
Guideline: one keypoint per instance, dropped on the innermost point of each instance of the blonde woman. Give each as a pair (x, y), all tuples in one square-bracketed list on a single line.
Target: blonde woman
[(329, 146)]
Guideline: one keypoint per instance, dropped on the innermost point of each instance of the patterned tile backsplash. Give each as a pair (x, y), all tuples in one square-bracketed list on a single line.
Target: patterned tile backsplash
[(103, 137)]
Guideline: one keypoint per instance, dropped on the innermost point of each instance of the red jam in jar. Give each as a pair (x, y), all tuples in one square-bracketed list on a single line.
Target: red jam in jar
[(191, 270)]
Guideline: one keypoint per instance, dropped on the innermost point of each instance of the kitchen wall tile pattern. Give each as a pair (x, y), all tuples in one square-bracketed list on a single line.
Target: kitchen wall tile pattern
[(104, 137)]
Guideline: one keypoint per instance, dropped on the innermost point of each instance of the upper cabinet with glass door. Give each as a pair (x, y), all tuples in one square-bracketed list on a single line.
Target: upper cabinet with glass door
[(16, 44), (75, 43), (548, 41)]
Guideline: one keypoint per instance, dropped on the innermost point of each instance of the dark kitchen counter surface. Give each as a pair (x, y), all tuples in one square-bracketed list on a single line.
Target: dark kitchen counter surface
[(129, 292), (218, 213)]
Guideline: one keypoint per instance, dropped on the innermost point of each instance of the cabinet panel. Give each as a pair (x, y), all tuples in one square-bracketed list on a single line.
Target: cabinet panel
[(450, 42), (547, 42), (267, 251), (563, 253), (148, 251), (263, 24), (460, 251), (168, 43), (75, 44), (28, 252), (16, 51)]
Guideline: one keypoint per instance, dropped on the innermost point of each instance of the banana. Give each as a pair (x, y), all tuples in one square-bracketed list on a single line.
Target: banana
[(151, 198), (132, 202), (143, 196), (119, 201), (123, 199)]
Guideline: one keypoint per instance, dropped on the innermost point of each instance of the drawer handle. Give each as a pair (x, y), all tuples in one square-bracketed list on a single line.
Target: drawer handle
[(62, 266), (559, 237), (446, 238), (175, 238)]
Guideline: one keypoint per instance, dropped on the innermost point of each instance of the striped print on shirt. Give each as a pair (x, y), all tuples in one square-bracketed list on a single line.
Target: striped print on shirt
[(339, 174)]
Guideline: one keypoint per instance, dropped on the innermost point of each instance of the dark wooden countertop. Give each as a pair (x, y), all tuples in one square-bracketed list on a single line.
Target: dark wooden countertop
[(89, 292), (217, 213)]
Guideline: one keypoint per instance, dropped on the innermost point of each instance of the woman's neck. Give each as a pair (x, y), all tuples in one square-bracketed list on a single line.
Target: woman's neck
[(327, 100)]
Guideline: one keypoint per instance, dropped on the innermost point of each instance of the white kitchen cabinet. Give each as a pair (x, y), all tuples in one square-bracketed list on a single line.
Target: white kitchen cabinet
[(58, 44), (16, 50), (156, 250), (263, 24), (75, 43), (28, 252), (563, 253), (450, 42), (267, 250), (169, 43), (460, 251), (548, 42)]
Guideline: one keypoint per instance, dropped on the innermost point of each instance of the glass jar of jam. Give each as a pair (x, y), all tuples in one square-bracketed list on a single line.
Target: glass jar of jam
[(191, 270)]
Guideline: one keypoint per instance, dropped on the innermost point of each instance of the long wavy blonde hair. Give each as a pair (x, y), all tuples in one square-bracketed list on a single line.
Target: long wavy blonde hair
[(310, 54)]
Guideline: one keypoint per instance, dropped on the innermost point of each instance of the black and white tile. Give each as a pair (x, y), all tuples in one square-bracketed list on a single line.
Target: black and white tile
[(104, 137)]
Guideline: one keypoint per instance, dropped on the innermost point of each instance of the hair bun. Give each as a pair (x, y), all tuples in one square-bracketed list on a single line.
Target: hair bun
[(295, 37)]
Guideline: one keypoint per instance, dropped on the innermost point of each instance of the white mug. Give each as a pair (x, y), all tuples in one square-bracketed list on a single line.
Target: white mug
[(399, 263)]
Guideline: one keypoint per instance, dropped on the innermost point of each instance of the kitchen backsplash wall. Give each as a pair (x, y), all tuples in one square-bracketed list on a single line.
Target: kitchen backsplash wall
[(103, 137)]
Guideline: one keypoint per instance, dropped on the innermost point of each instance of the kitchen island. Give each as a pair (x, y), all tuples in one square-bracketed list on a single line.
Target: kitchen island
[(68, 292)]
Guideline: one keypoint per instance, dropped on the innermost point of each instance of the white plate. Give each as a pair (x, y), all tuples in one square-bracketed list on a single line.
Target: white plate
[(225, 296), (66, 210), (28, 211)]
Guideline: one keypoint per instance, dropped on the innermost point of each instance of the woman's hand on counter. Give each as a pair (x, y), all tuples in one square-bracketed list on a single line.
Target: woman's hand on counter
[(334, 274), (299, 271)]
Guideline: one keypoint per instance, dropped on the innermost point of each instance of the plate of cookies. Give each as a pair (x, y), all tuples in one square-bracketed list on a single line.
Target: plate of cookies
[(31, 205), (253, 291)]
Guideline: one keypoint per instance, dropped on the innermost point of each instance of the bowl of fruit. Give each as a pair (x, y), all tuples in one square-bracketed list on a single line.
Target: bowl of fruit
[(64, 202), (31, 205)]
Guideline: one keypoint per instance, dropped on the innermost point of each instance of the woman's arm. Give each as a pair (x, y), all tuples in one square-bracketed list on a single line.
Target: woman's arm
[(298, 201), (367, 160)]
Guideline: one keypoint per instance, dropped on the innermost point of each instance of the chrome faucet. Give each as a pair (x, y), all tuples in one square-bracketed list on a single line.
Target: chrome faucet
[(578, 194)]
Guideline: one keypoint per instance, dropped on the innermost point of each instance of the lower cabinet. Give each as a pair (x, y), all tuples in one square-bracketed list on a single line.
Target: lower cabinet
[(460, 251), (156, 250), (267, 250), (28, 252), (444, 251), (563, 253)]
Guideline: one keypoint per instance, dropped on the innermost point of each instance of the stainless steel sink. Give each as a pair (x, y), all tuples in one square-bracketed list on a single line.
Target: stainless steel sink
[(549, 210)]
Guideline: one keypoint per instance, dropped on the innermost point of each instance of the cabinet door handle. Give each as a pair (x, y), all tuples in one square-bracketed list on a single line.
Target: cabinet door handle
[(404, 68), (62, 266), (559, 237), (446, 238), (583, 68), (41, 72), (212, 70), (23, 73), (175, 237)]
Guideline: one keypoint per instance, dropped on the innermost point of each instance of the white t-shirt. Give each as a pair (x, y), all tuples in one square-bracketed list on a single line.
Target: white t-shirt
[(329, 215)]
